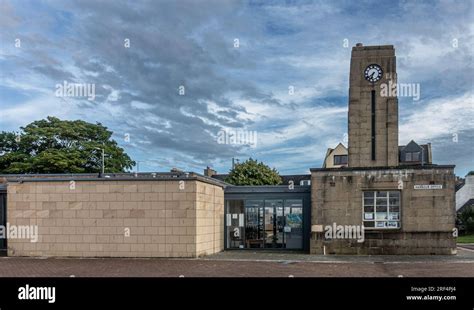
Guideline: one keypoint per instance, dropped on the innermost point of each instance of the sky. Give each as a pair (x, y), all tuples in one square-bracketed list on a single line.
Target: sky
[(171, 77)]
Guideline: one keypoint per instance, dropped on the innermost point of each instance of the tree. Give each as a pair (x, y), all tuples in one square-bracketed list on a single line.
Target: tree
[(58, 146), (466, 219), (252, 172)]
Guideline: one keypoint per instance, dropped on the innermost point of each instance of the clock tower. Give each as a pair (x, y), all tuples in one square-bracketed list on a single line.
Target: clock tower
[(373, 114)]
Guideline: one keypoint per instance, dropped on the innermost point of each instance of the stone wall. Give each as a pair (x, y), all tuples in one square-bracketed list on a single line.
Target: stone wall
[(427, 216), (360, 111), (109, 218)]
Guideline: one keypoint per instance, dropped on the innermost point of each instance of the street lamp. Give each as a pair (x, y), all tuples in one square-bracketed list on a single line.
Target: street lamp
[(103, 159)]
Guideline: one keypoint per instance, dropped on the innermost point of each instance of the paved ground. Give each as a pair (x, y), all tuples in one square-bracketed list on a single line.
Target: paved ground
[(246, 264)]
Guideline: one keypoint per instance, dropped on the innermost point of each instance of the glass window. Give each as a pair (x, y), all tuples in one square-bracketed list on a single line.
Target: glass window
[(270, 223), (412, 156), (381, 209), (340, 159), (293, 224), (415, 156), (235, 224)]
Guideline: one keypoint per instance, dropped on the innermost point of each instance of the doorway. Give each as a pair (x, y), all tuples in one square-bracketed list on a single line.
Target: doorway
[(264, 224)]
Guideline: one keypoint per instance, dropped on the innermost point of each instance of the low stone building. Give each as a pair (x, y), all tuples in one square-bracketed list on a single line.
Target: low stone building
[(172, 216)]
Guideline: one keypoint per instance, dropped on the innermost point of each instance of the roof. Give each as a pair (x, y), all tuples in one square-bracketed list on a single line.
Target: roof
[(267, 189), (459, 185), (419, 166), (296, 178), (469, 203), (407, 149), (147, 176)]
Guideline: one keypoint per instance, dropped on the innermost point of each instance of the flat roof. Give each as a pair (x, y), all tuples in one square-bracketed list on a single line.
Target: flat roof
[(107, 177), (230, 189), (417, 167)]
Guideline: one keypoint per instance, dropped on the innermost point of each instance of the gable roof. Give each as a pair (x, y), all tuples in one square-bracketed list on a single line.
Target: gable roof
[(412, 146), (469, 203)]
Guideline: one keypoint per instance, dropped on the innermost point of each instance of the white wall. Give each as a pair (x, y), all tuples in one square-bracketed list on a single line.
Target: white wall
[(466, 192)]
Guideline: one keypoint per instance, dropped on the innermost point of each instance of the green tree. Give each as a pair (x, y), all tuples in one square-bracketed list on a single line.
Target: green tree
[(58, 146), (466, 219), (252, 172)]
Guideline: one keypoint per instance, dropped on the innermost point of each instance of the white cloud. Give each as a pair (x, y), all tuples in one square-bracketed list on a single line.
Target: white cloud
[(438, 118)]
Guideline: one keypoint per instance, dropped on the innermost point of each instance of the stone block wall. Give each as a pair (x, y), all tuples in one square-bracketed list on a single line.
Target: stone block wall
[(427, 216), (109, 218)]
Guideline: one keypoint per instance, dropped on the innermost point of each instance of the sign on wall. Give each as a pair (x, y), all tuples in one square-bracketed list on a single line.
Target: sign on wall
[(429, 186)]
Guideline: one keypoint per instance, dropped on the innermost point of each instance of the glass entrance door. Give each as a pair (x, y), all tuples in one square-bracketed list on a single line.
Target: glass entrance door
[(264, 224), (274, 224), (293, 224), (254, 224)]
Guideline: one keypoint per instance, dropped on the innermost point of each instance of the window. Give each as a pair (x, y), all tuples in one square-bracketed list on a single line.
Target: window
[(381, 209), (340, 159), (260, 224), (412, 156)]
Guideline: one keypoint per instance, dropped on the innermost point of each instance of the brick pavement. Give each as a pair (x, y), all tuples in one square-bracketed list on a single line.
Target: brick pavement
[(240, 264)]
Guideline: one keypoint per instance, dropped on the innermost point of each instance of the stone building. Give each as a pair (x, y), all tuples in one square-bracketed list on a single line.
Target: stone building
[(376, 196), (403, 208), (168, 215)]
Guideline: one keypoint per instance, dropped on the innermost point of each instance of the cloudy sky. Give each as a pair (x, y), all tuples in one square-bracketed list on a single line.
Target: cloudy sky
[(277, 68)]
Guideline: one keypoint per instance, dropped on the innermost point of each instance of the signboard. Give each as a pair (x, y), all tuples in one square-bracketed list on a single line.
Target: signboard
[(429, 186)]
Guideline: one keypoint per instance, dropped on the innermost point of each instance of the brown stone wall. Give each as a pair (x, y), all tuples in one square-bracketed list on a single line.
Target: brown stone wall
[(427, 216), (359, 116), (117, 218), (209, 219)]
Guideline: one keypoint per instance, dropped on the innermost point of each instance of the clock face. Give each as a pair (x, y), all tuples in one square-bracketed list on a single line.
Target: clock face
[(373, 73)]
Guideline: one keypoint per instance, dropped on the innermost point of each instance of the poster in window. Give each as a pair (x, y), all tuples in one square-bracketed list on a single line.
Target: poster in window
[(368, 216), (294, 220), (380, 224), (393, 216), (392, 224)]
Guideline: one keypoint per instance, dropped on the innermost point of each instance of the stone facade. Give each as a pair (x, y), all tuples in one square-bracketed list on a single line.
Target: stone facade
[(118, 218), (360, 109), (427, 215)]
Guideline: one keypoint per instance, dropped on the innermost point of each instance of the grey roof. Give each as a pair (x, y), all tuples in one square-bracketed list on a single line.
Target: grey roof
[(266, 189), (147, 176), (469, 203), (419, 166), (296, 178), (459, 185)]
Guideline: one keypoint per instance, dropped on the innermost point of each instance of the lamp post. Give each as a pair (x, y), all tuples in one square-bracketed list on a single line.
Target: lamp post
[(103, 159)]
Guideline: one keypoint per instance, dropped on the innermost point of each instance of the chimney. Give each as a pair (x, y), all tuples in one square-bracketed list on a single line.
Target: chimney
[(208, 172)]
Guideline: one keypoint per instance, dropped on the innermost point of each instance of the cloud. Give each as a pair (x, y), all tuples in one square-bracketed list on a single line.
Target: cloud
[(189, 45), (438, 118)]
